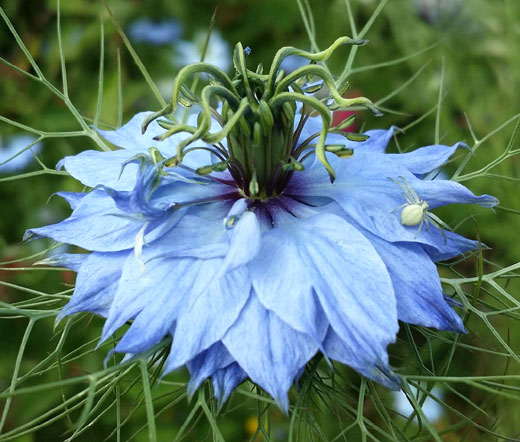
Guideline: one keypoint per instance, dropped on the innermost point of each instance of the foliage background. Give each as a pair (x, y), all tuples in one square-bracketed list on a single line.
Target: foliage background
[(465, 53)]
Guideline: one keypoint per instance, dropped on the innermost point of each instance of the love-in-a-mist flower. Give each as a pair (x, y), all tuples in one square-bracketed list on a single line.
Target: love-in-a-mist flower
[(256, 235), (17, 152)]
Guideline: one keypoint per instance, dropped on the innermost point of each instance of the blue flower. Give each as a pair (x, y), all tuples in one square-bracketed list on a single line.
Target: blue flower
[(14, 155), (155, 32), (217, 52), (255, 267)]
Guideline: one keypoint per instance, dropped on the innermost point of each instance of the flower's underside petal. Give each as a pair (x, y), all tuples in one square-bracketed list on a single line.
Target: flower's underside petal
[(425, 159), (244, 242), (193, 236), (98, 224), (417, 286), (351, 352), (367, 195), (270, 351), (70, 261), (152, 287), (180, 192), (226, 380), (448, 246), (73, 198), (186, 279), (131, 138), (348, 276), (93, 168), (198, 326), (96, 284), (206, 364), (289, 294), (377, 142), (441, 192)]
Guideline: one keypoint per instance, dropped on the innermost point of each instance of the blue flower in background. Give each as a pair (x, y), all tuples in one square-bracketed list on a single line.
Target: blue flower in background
[(217, 52), (432, 409), (293, 62), (234, 241), (155, 32), (13, 145)]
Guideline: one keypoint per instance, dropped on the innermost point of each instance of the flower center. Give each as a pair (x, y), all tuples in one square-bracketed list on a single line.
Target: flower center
[(261, 118)]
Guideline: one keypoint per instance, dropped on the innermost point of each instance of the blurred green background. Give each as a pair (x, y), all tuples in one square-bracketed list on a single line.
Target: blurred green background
[(477, 42)]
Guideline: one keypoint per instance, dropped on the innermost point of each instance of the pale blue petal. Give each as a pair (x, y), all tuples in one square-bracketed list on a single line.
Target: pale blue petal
[(417, 286), (179, 192), (130, 137), (206, 364), (283, 284), (97, 224), (198, 327), (376, 143), (270, 351), (70, 261), (244, 242), (441, 192), (366, 193), (352, 352), (226, 380), (162, 290), (73, 198), (193, 236), (96, 284), (447, 245), (425, 159), (139, 286), (349, 277), (93, 168)]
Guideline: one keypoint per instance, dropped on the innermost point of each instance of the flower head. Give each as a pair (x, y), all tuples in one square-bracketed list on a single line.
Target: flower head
[(216, 53), (256, 235), (159, 32), (17, 152)]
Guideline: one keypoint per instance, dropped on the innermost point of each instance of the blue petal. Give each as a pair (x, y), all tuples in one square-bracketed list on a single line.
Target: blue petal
[(244, 242), (178, 193), (152, 297), (441, 192), (425, 159), (417, 286), (376, 143), (93, 168), (97, 224), (73, 198), (365, 192), (96, 284), (349, 277), (198, 326), (193, 236), (130, 137), (448, 246), (281, 280), (70, 261), (351, 352), (226, 380), (268, 350), (206, 364)]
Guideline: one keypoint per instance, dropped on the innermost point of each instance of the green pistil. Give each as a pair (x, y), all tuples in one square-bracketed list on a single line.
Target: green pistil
[(257, 115)]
